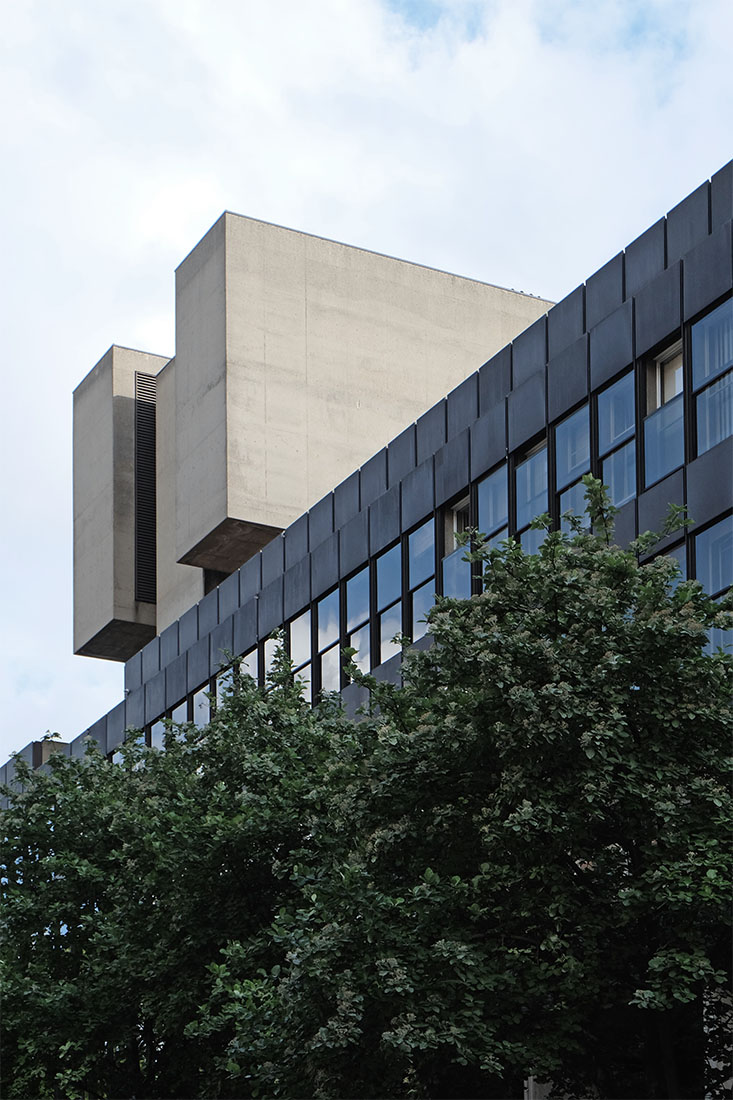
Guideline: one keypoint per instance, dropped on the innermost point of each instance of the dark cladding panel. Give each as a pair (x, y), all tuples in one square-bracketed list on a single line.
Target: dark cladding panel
[(462, 405), (401, 455), (169, 644), (134, 672), (188, 628), (250, 578), (721, 195), (345, 500), (604, 291), (354, 697), (325, 566), (297, 587), (135, 709), (488, 440), (373, 478), (565, 322), (354, 543), (384, 520), (208, 612), (708, 271), (495, 380), (245, 628), (222, 646), (526, 411), (645, 258), (320, 523), (116, 723), (418, 494), (688, 223), (270, 607), (296, 542), (175, 682), (197, 672), (390, 672), (273, 560), (611, 346), (151, 659), (625, 524), (430, 430), (710, 484), (154, 698), (229, 596), (654, 504), (452, 468), (529, 352), (567, 378), (658, 309)]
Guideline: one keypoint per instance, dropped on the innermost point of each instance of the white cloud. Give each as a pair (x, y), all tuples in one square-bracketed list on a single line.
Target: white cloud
[(517, 141)]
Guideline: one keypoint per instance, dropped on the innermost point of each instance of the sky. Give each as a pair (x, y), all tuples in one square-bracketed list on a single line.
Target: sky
[(520, 142)]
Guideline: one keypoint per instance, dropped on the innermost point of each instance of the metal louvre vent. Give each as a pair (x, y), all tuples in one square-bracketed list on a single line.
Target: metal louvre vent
[(145, 570)]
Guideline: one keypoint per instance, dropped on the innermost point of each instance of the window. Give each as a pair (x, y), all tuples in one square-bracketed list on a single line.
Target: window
[(530, 478), (714, 557), (712, 376), (179, 714), (157, 735), (679, 553), (616, 445), (493, 506), (248, 665), (664, 445), (389, 602), (328, 641), (421, 575), (455, 570), (357, 618), (200, 710), (300, 649), (572, 460)]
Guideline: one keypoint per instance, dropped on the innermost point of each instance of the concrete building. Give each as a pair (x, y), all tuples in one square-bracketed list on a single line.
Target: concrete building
[(333, 517)]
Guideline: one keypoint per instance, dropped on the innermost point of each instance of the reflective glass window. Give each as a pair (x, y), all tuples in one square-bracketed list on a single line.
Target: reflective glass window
[(715, 413), (422, 600), (303, 677), (493, 509), (300, 639), (360, 642), (679, 553), (390, 624), (269, 650), (224, 683), (714, 556), (421, 553), (616, 414), (720, 639), (357, 599), (664, 445), (201, 707), (532, 539), (157, 735), (389, 576), (572, 500), (531, 483), (455, 522), (331, 669), (328, 619), (457, 575), (712, 344), (572, 447), (249, 664), (619, 474), (179, 713)]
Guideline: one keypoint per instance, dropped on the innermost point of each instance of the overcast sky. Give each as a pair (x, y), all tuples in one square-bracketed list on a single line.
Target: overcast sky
[(521, 142)]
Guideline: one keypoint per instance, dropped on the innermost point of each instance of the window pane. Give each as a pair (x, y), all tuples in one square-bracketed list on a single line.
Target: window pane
[(201, 707), (532, 539), (616, 413), (422, 600), (572, 500), (572, 447), (357, 599), (619, 474), (492, 502), (331, 669), (714, 556), (455, 519), (720, 639), (390, 623), (664, 446), (712, 344), (715, 413), (300, 639), (457, 575), (179, 714), (389, 576), (224, 682), (360, 642), (328, 619), (157, 735), (679, 554), (303, 676), (248, 665), (421, 553), (270, 649), (531, 481)]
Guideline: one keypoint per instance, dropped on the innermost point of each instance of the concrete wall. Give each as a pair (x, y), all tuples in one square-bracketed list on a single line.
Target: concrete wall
[(108, 621), (296, 359)]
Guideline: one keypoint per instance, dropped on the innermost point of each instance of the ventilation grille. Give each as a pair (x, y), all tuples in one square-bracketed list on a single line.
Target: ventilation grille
[(145, 573)]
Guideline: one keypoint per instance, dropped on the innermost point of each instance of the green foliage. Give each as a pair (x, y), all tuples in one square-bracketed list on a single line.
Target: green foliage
[(517, 862)]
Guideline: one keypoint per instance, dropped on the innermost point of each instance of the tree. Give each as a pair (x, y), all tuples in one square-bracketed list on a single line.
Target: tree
[(517, 862)]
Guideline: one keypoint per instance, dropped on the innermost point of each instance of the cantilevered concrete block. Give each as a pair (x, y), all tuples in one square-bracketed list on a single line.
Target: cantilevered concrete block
[(114, 512)]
